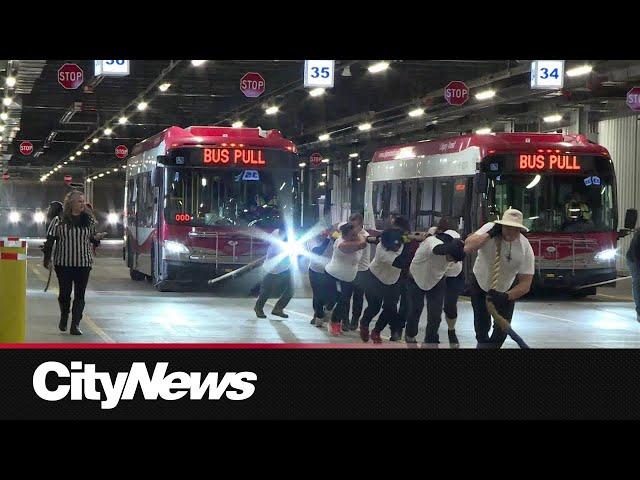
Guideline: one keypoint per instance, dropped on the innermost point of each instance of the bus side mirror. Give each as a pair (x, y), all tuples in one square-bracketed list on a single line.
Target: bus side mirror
[(630, 218), (156, 177)]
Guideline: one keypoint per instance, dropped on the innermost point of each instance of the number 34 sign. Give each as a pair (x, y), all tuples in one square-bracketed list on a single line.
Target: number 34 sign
[(319, 73), (547, 74)]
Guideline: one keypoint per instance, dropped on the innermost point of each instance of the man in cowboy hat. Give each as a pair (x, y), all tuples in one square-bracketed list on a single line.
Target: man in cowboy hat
[(516, 262)]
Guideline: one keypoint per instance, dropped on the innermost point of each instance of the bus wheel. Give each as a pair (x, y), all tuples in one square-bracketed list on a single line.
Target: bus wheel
[(583, 292), (164, 286), (136, 275)]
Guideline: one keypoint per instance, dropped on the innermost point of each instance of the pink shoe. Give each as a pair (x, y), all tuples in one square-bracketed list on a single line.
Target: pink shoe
[(335, 329)]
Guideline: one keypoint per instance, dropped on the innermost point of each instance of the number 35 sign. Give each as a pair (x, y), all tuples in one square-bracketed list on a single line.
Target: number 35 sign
[(319, 73), (547, 74)]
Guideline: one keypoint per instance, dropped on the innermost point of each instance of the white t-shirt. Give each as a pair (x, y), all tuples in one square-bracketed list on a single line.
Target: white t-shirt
[(454, 269), (363, 264), (276, 262), (317, 263), (428, 268), (343, 266), (522, 261), (382, 265)]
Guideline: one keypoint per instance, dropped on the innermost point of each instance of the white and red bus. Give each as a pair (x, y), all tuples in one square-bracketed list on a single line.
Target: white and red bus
[(564, 185), (195, 199)]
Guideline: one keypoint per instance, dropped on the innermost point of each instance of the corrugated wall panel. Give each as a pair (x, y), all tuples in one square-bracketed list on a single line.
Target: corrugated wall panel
[(621, 136)]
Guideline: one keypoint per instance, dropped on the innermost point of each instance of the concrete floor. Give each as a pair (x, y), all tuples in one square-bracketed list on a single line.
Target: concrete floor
[(121, 310)]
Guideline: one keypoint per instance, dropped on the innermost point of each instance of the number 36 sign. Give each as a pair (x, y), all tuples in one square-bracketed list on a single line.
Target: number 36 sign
[(547, 74), (319, 73)]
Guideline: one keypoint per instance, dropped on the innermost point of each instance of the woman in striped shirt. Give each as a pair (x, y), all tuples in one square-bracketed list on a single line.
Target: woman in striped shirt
[(74, 235)]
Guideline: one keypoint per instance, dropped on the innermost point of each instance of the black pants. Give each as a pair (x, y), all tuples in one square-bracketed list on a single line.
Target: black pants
[(482, 317), (435, 301), (455, 286), (340, 295), (358, 295), (400, 320), (274, 285), (380, 296), (319, 287), (76, 279)]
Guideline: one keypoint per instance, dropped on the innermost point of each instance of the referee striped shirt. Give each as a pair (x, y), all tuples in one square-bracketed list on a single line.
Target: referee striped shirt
[(73, 243)]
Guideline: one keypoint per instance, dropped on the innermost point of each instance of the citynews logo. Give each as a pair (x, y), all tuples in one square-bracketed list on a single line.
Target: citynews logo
[(174, 386)]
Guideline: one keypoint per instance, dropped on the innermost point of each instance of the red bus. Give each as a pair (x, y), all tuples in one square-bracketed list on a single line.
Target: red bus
[(197, 199), (565, 186)]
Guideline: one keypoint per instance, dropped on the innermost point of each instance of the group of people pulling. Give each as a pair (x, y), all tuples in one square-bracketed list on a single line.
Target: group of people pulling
[(409, 269)]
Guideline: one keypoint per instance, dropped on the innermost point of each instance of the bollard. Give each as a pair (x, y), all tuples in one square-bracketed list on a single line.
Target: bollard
[(13, 289)]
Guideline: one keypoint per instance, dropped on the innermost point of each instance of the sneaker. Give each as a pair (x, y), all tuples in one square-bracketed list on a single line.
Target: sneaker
[(319, 322), (453, 339), (313, 320), (396, 336), (409, 339), (259, 312), (279, 313), (375, 336), (345, 326), (354, 324), (364, 333), (334, 329)]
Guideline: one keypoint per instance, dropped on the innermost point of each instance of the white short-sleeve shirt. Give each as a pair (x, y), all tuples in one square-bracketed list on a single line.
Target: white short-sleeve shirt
[(382, 265), (343, 266), (428, 268), (515, 258)]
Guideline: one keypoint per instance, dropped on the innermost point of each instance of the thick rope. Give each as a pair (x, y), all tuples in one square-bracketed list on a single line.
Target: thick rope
[(498, 320)]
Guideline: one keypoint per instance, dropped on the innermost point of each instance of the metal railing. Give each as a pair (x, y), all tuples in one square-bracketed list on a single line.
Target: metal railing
[(257, 248), (590, 245)]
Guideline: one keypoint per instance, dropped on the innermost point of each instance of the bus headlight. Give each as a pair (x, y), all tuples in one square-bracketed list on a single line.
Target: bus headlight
[(174, 249), (606, 255), (14, 217)]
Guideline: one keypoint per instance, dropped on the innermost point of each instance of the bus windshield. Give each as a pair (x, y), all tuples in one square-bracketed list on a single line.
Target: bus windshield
[(229, 197), (556, 203)]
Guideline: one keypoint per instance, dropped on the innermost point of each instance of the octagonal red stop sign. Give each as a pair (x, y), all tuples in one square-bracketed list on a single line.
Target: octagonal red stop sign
[(252, 85), (26, 148), (122, 151), (633, 99), (70, 76), (456, 93)]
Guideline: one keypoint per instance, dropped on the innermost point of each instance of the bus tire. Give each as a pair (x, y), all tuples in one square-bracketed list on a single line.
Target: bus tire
[(164, 286), (584, 292), (136, 275)]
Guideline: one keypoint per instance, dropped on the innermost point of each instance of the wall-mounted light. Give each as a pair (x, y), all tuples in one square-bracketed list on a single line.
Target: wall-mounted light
[(378, 67)]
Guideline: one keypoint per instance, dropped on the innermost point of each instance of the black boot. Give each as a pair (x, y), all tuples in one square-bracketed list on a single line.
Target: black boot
[(64, 318), (75, 330)]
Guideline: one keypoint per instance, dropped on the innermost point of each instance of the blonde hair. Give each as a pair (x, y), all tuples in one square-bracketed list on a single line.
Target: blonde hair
[(66, 207)]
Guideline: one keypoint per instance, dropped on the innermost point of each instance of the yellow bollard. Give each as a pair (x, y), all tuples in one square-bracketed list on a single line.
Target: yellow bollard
[(13, 289)]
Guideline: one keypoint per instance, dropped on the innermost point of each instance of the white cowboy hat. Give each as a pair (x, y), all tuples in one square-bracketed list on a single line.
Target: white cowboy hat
[(512, 218)]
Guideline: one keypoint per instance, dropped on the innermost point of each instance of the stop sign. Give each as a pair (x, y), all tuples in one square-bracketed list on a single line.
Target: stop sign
[(252, 85), (26, 148), (70, 76), (633, 99), (122, 151), (315, 159), (456, 93)]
